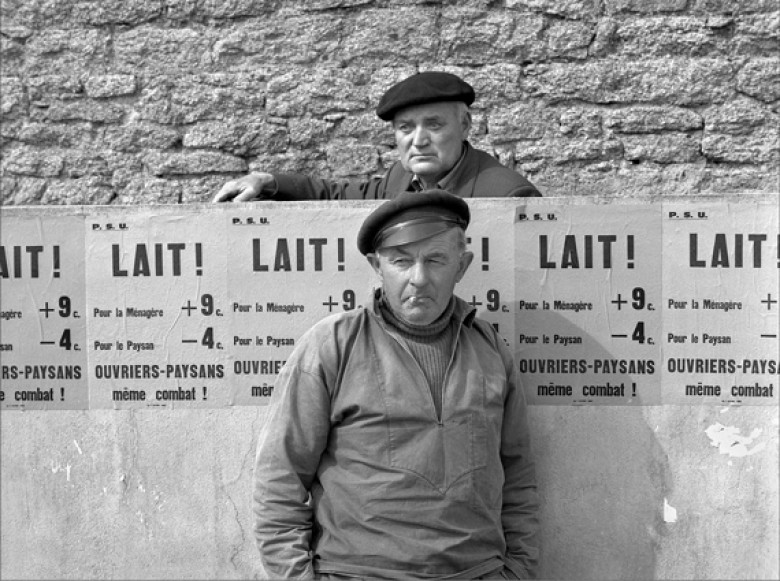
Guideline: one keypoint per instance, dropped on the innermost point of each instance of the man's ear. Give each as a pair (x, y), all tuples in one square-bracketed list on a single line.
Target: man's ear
[(373, 260), (465, 262), (466, 123)]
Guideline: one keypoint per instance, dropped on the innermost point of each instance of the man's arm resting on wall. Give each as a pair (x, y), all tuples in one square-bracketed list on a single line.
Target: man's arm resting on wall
[(290, 187), (288, 454), (286, 187)]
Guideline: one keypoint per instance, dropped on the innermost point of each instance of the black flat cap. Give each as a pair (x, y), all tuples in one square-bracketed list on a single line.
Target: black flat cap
[(412, 216), (428, 87)]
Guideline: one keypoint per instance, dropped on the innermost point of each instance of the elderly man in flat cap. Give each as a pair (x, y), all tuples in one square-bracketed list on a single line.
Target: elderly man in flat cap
[(430, 116), (396, 444)]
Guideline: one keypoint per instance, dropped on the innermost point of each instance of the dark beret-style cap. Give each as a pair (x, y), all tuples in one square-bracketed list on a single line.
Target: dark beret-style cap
[(412, 216), (428, 87)]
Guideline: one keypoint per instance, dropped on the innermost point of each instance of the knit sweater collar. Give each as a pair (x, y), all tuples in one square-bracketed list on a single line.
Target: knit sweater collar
[(435, 328)]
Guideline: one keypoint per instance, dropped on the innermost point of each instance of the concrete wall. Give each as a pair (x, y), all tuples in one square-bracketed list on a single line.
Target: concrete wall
[(165, 494), (161, 101)]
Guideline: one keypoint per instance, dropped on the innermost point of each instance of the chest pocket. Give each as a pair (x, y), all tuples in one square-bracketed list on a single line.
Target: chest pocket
[(457, 456)]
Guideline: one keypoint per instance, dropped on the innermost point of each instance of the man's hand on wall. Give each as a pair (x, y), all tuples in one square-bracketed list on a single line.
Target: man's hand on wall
[(253, 186)]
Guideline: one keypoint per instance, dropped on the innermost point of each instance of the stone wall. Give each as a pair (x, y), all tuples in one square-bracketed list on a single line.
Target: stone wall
[(162, 101)]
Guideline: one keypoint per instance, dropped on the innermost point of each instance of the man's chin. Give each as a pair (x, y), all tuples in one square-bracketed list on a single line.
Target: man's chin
[(420, 316), (423, 168)]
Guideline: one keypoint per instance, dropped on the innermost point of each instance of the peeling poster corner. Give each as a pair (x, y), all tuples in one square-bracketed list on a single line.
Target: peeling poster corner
[(728, 441)]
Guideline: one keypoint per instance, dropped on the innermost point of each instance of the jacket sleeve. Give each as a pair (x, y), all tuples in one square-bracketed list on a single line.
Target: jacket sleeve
[(288, 453), (520, 507), (292, 187)]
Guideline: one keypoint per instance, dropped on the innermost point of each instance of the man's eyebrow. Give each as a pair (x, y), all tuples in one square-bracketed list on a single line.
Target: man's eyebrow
[(393, 252)]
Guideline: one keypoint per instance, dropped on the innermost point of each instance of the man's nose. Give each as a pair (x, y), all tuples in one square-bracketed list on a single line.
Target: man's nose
[(420, 137), (419, 274)]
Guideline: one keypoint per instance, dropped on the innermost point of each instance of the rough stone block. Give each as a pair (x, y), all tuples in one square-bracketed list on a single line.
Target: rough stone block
[(218, 9), (44, 89), (293, 160), (567, 39), (9, 131), (153, 49), (61, 50), (149, 190), (672, 36), (644, 6), (389, 36), (475, 37), (64, 135), (237, 137), (201, 97), (351, 158), (31, 161), (101, 86), (580, 122), (733, 6), (102, 163), (12, 99), (11, 53), (493, 84), (139, 136), (260, 42), (739, 117), (666, 148), (302, 91), (664, 81), (200, 189), (757, 34), (519, 122), (652, 119), (728, 179), (83, 110), (118, 12), (90, 190), (316, 5), (21, 191), (192, 163), (563, 151), (760, 146), (585, 9), (309, 132), (363, 126), (760, 79)]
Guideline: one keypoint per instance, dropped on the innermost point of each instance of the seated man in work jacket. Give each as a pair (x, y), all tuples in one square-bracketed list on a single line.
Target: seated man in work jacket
[(430, 116)]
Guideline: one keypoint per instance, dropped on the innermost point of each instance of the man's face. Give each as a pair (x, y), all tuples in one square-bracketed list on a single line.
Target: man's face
[(430, 138), (419, 278)]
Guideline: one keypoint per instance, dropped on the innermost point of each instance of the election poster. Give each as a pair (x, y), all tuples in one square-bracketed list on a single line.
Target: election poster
[(157, 310), (285, 272), (588, 295), (720, 299), (43, 315)]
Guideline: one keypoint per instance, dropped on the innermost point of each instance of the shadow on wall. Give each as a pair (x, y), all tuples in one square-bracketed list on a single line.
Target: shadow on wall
[(603, 477)]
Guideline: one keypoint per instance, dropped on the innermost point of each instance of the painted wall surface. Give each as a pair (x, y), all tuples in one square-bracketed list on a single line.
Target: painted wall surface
[(667, 491), (628, 493)]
